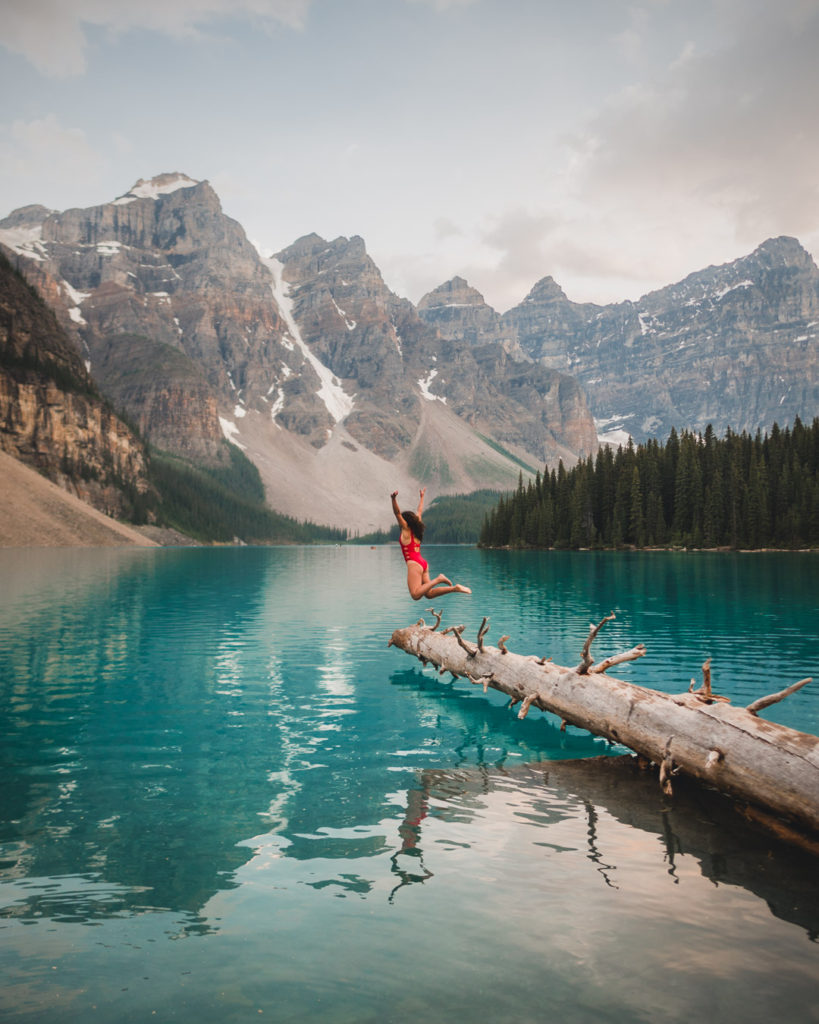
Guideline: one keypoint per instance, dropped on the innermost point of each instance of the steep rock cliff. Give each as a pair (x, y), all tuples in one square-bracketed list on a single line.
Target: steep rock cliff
[(734, 345), (164, 263), (51, 416), (392, 359)]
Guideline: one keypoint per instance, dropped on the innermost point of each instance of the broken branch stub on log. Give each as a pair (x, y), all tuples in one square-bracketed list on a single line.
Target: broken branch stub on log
[(730, 748)]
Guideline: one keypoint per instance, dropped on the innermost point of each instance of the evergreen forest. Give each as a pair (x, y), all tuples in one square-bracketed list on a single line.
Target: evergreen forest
[(695, 490)]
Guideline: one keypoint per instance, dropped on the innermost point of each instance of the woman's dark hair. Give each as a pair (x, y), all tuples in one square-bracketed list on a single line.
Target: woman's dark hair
[(415, 524)]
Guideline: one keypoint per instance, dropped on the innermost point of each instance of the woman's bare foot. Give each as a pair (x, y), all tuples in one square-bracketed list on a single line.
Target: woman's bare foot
[(442, 579), (461, 589)]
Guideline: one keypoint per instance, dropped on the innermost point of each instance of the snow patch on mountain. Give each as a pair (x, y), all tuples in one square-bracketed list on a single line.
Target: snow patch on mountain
[(231, 432), (424, 385), (336, 400), (25, 241), (162, 185), (349, 324), (612, 431), (733, 287)]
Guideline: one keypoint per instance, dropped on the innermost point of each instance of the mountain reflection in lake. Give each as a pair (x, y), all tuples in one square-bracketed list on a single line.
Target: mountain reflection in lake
[(221, 794)]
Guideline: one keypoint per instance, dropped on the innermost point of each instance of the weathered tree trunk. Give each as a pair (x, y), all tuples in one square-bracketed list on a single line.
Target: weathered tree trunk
[(698, 733)]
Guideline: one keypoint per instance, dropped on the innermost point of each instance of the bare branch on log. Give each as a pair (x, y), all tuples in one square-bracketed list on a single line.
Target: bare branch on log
[(483, 681), (502, 644), (618, 659), (471, 651), (706, 678), (482, 631), (585, 658), (705, 694), (437, 618), (667, 769), (527, 703), (775, 698)]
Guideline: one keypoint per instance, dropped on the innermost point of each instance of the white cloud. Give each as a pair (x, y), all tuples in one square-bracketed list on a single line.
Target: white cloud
[(52, 33), (45, 32), (725, 141), (697, 163), (445, 227), (31, 150)]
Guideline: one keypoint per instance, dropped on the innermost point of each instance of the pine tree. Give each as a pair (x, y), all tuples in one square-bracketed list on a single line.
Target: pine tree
[(637, 527)]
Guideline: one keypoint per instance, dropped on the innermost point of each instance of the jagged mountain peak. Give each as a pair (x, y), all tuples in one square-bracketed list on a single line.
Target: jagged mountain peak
[(546, 289), (782, 251), (160, 185), (712, 284), (26, 216), (455, 292), (338, 263), (314, 244)]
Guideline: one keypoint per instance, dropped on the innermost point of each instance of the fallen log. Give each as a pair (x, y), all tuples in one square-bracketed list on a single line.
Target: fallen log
[(697, 733)]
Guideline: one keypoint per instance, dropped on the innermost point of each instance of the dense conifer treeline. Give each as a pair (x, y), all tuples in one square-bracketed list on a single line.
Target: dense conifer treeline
[(695, 490)]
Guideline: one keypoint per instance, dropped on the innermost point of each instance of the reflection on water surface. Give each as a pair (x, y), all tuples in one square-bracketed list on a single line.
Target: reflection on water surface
[(221, 793)]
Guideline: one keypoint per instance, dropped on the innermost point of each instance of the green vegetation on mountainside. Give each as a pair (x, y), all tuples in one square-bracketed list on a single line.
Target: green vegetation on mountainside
[(225, 504)]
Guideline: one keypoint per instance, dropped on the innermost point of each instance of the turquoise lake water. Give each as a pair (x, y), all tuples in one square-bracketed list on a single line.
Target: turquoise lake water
[(224, 798)]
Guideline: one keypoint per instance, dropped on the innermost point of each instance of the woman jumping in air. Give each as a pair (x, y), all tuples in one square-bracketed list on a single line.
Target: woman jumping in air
[(412, 532)]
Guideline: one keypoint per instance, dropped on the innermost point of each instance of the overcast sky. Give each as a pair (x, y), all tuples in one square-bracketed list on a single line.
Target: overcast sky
[(615, 146)]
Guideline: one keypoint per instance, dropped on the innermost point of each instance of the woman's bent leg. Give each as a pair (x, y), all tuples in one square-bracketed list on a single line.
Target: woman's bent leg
[(420, 585)]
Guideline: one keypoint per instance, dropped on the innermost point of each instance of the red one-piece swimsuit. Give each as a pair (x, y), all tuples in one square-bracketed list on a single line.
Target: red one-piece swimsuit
[(412, 552)]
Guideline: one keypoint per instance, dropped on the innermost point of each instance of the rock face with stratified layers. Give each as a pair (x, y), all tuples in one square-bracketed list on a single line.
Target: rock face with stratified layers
[(393, 360), (51, 415), (734, 345)]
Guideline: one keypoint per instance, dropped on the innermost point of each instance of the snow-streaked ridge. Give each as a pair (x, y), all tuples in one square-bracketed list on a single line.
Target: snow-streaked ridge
[(338, 403)]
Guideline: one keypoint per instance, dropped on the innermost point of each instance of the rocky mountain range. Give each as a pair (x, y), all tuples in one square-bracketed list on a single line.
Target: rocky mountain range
[(340, 391), (334, 386), (734, 346)]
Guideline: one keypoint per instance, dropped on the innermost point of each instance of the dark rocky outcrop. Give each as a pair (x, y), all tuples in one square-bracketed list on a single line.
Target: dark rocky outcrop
[(51, 415)]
